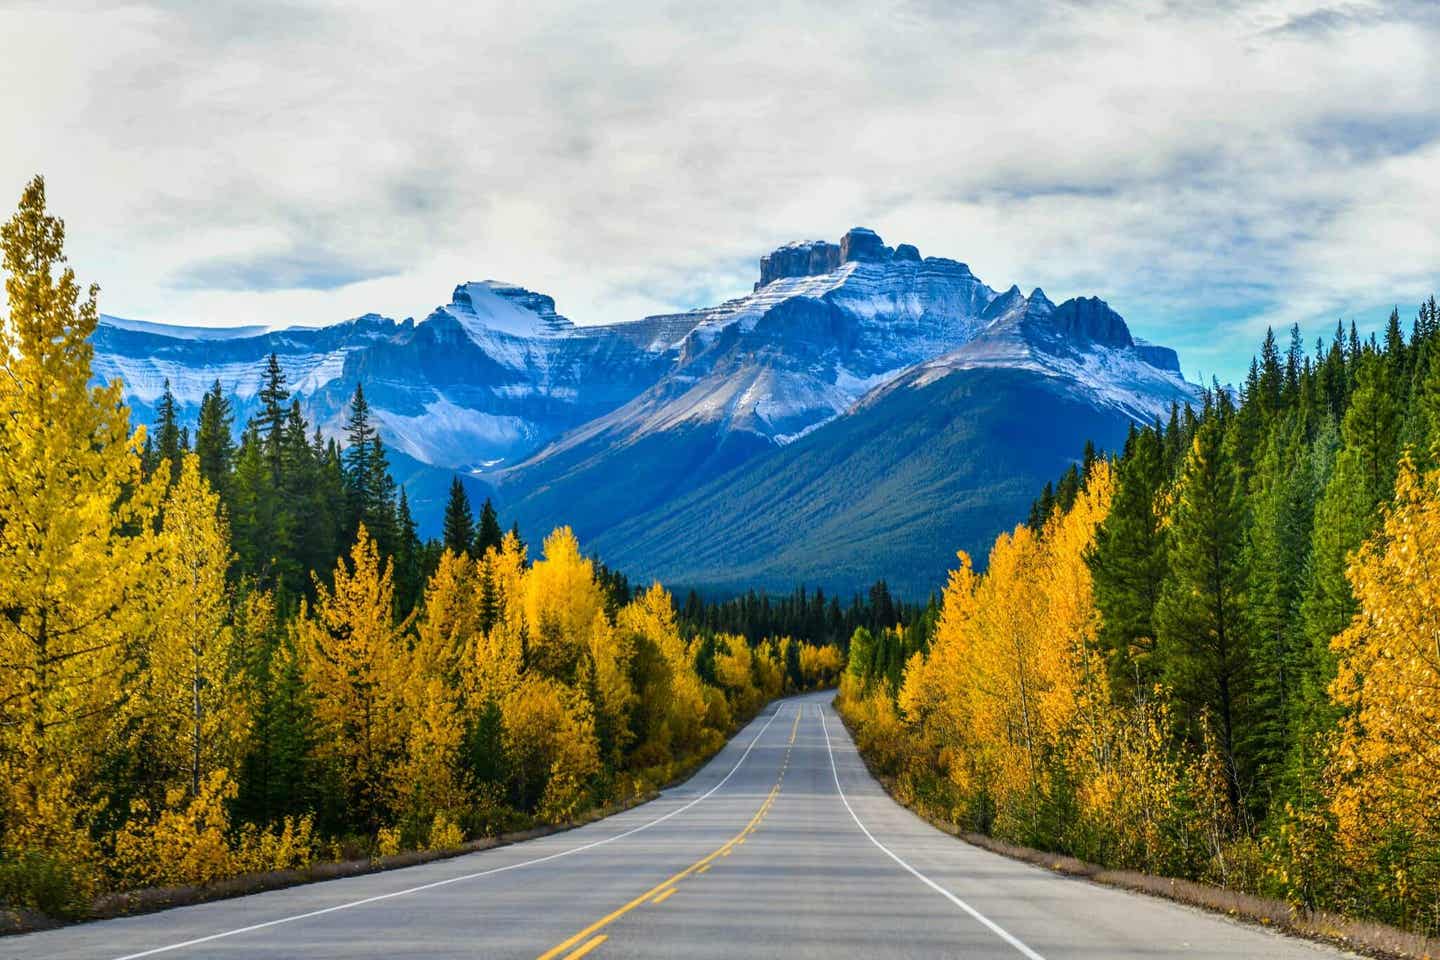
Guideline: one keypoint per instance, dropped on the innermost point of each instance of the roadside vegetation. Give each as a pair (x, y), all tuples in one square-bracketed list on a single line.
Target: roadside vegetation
[(1212, 656), (221, 659)]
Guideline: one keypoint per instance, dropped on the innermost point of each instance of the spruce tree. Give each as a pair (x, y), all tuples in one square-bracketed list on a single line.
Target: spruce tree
[(459, 527), (359, 486), (1282, 500), (1128, 564), (488, 534), (167, 432), (214, 445), (1200, 619), (270, 420), (409, 560)]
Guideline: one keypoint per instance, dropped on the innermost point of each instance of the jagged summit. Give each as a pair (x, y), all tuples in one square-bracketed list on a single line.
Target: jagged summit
[(816, 258), (507, 308)]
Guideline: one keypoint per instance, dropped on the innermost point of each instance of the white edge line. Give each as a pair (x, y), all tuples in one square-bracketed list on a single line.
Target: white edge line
[(991, 925), (469, 876)]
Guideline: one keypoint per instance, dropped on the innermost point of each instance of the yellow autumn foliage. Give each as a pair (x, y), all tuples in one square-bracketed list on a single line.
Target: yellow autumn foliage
[(355, 659), (1385, 770)]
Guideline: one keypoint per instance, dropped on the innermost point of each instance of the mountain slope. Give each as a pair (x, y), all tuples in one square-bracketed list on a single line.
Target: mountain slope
[(941, 458)]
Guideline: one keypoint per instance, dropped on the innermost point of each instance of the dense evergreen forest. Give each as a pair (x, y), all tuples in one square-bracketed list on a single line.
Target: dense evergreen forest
[(1214, 654), (221, 657)]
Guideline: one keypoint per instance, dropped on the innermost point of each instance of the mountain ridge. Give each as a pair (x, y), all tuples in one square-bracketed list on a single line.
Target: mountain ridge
[(606, 425)]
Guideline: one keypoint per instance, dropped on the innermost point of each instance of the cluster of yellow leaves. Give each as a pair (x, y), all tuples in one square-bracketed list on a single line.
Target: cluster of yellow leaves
[(189, 840), (77, 533), (1384, 781), (820, 665), (1010, 708), (1012, 661), (444, 835)]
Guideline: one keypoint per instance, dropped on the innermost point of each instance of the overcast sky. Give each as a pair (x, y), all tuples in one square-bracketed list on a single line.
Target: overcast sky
[(1207, 172)]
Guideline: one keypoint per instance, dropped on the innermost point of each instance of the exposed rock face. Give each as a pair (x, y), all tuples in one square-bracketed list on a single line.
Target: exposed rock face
[(1091, 318), (817, 257), (799, 260), (863, 244), (1164, 358)]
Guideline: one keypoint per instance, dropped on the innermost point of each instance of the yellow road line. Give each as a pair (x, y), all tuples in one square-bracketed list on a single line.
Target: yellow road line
[(589, 945), (702, 869), (704, 862), (664, 896)]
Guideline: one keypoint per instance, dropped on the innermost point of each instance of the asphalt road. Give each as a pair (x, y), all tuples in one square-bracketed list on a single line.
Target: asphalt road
[(782, 846)]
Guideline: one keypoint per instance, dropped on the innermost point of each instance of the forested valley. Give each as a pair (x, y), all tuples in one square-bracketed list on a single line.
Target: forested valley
[(1214, 655), (221, 658)]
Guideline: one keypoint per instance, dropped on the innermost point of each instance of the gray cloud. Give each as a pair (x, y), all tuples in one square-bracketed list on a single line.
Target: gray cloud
[(1207, 169), (267, 272)]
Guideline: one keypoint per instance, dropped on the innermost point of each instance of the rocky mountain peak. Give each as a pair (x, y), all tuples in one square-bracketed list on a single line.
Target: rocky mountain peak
[(1090, 318), (865, 245), (813, 258), (808, 259)]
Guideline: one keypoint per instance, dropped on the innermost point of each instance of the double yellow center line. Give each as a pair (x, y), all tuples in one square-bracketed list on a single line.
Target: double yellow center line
[(588, 939)]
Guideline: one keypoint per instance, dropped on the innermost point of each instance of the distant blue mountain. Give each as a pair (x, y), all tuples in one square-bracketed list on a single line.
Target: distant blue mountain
[(863, 412)]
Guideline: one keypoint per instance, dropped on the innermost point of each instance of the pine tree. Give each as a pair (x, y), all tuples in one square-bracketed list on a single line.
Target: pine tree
[(270, 420), (1283, 494), (167, 433), (459, 528), (1128, 564), (409, 560), (488, 534), (359, 436), (381, 512), (214, 444), (252, 509), (1200, 618), (1363, 477)]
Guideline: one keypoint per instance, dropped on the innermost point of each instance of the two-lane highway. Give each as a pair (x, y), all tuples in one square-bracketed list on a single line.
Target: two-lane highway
[(783, 845)]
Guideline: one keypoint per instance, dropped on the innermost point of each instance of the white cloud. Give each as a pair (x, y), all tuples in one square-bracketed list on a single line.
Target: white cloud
[(1206, 170)]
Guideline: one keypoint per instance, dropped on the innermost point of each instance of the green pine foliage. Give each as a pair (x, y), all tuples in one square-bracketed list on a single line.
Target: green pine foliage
[(459, 529), (1220, 571)]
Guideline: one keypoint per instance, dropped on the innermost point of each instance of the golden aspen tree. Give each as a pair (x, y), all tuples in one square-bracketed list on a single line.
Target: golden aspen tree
[(427, 783), (550, 747), (671, 694), (451, 618), (494, 657), (769, 670), (610, 653), (561, 600), (195, 706), (1385, 773), (73, 584), (820, 665), (356, 664), (734, 672)]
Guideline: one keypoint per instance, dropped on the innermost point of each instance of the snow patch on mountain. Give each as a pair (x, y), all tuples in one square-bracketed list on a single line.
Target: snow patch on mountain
[(183, 333), (447, 433)]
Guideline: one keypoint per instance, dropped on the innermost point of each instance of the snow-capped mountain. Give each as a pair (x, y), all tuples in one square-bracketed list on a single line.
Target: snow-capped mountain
[(603, 426)]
